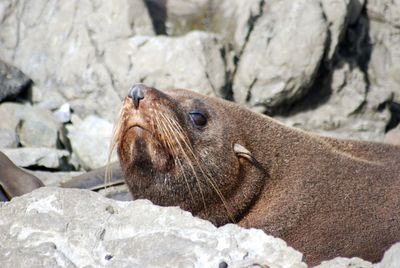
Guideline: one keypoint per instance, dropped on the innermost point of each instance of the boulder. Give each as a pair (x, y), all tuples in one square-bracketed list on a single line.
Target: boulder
[(39, 128), (268, 75), (15, 112), (38, 157), (340, 111), (69, 227), (90, 141), (61, 44), (338, 13), (35, 126), (233, 20), (384, 62), (185, 16), (193, 61), (341, 262)]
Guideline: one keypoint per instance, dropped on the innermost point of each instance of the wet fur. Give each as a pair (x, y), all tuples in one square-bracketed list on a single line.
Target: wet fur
[(325, 197)]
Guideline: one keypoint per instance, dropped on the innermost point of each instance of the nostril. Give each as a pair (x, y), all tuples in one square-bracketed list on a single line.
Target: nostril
[(136, 93)]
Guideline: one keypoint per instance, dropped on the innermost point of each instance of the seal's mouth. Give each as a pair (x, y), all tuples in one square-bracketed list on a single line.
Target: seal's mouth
[(138, 127)]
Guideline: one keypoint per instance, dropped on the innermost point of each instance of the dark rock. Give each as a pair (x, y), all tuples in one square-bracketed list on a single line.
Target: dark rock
[(12, 82)]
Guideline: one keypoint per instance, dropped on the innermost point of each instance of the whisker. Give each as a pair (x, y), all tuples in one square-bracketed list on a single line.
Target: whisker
[(174, 125), (173, 132), (207, 174), (114, 141)]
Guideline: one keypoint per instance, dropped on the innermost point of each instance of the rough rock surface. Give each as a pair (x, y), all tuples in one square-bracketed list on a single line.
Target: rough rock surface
[(384, 24), (191, 61), (339, 116), (39, 128), (8, 138), (12, 81), (90, 141), (15, 112), (49, 227), (60, 44), (276, 76), (35, 126), (38, 157)]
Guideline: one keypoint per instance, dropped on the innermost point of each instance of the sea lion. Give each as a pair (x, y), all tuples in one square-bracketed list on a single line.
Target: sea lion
[(14, 181), (225, 163)]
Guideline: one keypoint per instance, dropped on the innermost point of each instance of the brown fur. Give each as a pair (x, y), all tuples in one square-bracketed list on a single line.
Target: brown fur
[(325, 197)]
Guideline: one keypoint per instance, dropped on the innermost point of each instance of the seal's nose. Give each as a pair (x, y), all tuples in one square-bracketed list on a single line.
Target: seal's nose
[(136, 93)]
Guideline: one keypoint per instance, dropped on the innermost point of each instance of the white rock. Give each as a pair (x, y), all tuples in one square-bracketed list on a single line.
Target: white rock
[(282, 55), (336, 117), (384, 64), (8, 138), (39, 128), (336, 12), (60, 45), (64, 226), (90, 141), (193, 61), (42, 157)]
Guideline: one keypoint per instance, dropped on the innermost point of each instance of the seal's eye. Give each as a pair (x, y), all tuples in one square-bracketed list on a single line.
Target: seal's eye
[(199, 119)]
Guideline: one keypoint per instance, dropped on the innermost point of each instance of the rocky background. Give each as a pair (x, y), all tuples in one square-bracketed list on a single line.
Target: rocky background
[(51, 228), (328, 66)]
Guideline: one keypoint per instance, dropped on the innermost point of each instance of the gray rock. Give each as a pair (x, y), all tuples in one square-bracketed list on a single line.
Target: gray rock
[(339, 116), (185, 16), (41, 157), (39, 128), (267, 74), (12, 81), (61, 46), (192, 61), (35, 126), (90, 141), (119, 192), (47, 99), (8, 138), (336, 12), (15, 112), (61, 227), (384, 64), (345, 263), (231, 19)]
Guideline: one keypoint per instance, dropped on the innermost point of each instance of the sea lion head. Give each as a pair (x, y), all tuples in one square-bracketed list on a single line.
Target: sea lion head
[(177, 148)]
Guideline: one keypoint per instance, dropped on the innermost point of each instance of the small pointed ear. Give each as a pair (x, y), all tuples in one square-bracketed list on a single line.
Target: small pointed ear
[(241, 151)]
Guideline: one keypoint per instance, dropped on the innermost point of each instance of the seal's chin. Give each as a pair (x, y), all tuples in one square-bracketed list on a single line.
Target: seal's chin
[(146, 151)]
